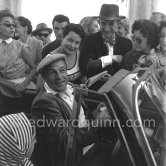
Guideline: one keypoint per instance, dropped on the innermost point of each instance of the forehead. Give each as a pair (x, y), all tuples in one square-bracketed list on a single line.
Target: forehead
[(138, 33), (60, 25), (6, 19), (73, 35)]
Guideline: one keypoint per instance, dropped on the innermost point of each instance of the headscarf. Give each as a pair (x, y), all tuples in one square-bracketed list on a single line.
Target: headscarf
[(15, 140)]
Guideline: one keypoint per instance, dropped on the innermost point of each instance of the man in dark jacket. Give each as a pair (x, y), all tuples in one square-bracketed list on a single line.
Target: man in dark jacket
[(58, 23), (52, 109), (104, 50)]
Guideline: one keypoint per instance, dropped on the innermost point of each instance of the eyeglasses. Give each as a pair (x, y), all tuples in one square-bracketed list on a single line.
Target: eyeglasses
[(9, 25), (43, 34), (137, 39)]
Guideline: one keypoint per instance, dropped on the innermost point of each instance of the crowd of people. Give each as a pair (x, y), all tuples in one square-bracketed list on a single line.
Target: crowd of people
[(30, 61)]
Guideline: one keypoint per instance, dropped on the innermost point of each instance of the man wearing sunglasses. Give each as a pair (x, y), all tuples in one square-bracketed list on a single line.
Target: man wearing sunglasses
[(42, 33)]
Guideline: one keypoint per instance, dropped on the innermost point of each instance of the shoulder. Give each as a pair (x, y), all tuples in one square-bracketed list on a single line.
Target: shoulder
[(96, 36), (124, 40), (52, 45), (34, 40)]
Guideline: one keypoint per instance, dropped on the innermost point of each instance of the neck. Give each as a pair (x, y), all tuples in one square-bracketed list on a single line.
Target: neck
[(147, 52)]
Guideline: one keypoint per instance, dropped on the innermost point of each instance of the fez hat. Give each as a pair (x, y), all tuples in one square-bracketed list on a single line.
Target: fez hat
[(109, 12)]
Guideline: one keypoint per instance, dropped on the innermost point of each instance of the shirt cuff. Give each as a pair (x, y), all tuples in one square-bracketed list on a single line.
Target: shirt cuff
[(106, 60)]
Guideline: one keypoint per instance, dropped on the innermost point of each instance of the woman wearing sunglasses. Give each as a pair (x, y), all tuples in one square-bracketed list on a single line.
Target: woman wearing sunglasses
[(17, 139), (145, 40), (14, 56)]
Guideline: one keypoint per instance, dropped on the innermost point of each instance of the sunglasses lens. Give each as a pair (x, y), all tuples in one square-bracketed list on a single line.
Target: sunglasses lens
[(137, 40), (9, 25)]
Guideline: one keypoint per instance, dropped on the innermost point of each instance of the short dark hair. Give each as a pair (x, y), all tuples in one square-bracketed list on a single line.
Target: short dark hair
[(25, 22), (148, 30), (6, 13), (77, 28), (60, 18)]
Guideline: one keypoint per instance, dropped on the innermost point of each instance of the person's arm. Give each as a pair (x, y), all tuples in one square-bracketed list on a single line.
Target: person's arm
[(39, 52), (27, 58)]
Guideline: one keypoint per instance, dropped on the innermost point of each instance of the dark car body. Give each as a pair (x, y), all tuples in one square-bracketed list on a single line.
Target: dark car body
[(136, 101)]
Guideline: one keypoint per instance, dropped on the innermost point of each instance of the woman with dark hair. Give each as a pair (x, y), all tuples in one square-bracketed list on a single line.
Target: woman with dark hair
[(17, 139), (23, 31), (145, 40), (73, 36)]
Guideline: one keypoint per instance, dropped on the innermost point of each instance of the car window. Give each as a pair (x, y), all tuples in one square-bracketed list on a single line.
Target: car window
[(152, 108), (109, 148)]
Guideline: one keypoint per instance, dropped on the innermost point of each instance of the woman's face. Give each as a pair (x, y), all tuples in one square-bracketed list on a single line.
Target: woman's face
[(121, 30), (140, 42), (71, 42), (7, 28), (162, 38)]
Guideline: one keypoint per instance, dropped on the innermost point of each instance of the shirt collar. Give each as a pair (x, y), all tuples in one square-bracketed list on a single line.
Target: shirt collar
[(8, 41), (69, 90)]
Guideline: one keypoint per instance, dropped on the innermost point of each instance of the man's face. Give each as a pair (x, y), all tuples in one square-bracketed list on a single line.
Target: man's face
[(7, 28), (44, 36), (108, 29), (56, 76), (58, 29)]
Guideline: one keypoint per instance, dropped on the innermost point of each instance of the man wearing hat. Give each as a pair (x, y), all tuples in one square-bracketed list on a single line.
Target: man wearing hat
[(42, 32), (54, 105), (104, 50)]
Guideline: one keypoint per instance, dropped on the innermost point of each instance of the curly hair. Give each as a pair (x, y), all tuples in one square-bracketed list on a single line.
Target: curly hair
[(149, 30), (25, 22), (6, 13), (125, 23), (86, 22)]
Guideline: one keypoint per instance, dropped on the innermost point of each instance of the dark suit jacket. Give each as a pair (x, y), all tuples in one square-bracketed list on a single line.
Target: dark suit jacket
[(52, 139), (93, 48), (50, 47)]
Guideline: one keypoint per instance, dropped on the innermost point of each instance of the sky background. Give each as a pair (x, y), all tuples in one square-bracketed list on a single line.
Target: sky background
[(43, 11)]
